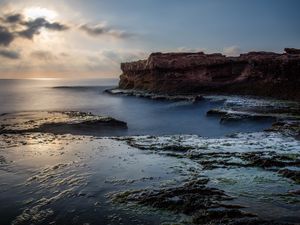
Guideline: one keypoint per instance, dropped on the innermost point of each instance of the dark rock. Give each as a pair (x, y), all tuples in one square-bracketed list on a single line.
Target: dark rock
[(229, 115), (292, 174), (289, 127), (292, 51), (198, 98), (203, 204), (216, 112), (188, 198), (294, 192), (219, 216), (55, 122)]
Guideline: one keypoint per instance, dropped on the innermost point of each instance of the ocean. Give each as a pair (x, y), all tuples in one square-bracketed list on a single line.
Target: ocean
[(143, 116), (174, 164)]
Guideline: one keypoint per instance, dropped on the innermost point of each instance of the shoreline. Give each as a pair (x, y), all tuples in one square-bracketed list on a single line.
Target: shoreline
[(239, 178)]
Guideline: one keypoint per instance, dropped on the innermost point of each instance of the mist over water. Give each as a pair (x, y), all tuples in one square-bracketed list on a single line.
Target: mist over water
[(143, 116)]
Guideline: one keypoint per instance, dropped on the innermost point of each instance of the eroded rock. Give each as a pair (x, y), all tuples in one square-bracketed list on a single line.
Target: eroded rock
[(255, 73), (55, 122)]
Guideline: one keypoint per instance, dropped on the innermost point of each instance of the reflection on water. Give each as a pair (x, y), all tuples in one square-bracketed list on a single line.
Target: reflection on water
[(142, 115), (66, 179)]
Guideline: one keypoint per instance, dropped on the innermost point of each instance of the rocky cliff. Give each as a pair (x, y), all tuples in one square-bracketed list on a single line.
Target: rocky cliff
[(254, 73)]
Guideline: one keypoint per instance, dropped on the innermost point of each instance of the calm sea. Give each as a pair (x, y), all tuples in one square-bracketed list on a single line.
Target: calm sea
[(143, 116)]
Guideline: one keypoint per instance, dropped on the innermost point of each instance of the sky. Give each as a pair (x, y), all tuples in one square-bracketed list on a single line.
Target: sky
[(90, 38)]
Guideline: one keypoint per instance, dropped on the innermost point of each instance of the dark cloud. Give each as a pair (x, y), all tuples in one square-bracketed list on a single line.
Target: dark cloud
[(98, 30), (93, 31), (6, 37), (56, 26), (9, 54), (42, 55), (34, 26), (13, 18), (14, 24)]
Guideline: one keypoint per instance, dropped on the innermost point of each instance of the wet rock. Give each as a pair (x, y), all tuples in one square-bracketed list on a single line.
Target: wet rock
[(229, 115), (236, 151), (266, 161), (292, 174), (153, 96), (285, 114), (199, 98), (58, 123), (188, 198), (220, 216), (203, 204), (216, 112), (176, 148), (287, 127)]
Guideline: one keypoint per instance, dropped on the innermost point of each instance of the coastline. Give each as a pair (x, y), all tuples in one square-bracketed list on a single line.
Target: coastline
[(264, 74), (239, 178)]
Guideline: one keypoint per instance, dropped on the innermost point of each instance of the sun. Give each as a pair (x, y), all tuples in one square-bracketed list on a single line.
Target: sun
[(39, 12)]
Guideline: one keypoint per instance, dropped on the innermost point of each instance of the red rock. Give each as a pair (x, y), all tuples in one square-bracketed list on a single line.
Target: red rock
[(254, 73)]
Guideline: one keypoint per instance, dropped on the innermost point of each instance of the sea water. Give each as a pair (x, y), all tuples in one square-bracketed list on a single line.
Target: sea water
[(143, 116)]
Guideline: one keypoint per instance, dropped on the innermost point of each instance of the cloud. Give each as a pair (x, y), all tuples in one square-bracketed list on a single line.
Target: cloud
[(42, 55), (10, 54), (56, 26), (34, 26), (102, 29), (118, 56), (14, 25), (6, 37), (232, 51), (185, 49), (13, 18)]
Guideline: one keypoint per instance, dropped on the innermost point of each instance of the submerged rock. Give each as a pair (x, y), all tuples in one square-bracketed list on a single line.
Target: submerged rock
[(153, 96), (193, 198), (292, 174), (223, 217), (200, 203)]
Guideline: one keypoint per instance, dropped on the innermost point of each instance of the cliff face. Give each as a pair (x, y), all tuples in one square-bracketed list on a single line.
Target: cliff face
[(254, 73)]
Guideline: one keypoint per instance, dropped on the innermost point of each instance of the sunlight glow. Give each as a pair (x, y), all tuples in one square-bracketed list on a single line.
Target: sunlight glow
[(37, 12)]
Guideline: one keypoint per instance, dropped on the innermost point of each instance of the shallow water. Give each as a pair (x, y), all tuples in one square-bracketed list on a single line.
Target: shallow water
[(72, 179), (143, 116), (66, 179)]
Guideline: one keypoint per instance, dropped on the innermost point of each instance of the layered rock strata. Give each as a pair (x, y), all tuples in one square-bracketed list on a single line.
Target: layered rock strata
[(255, 73)]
